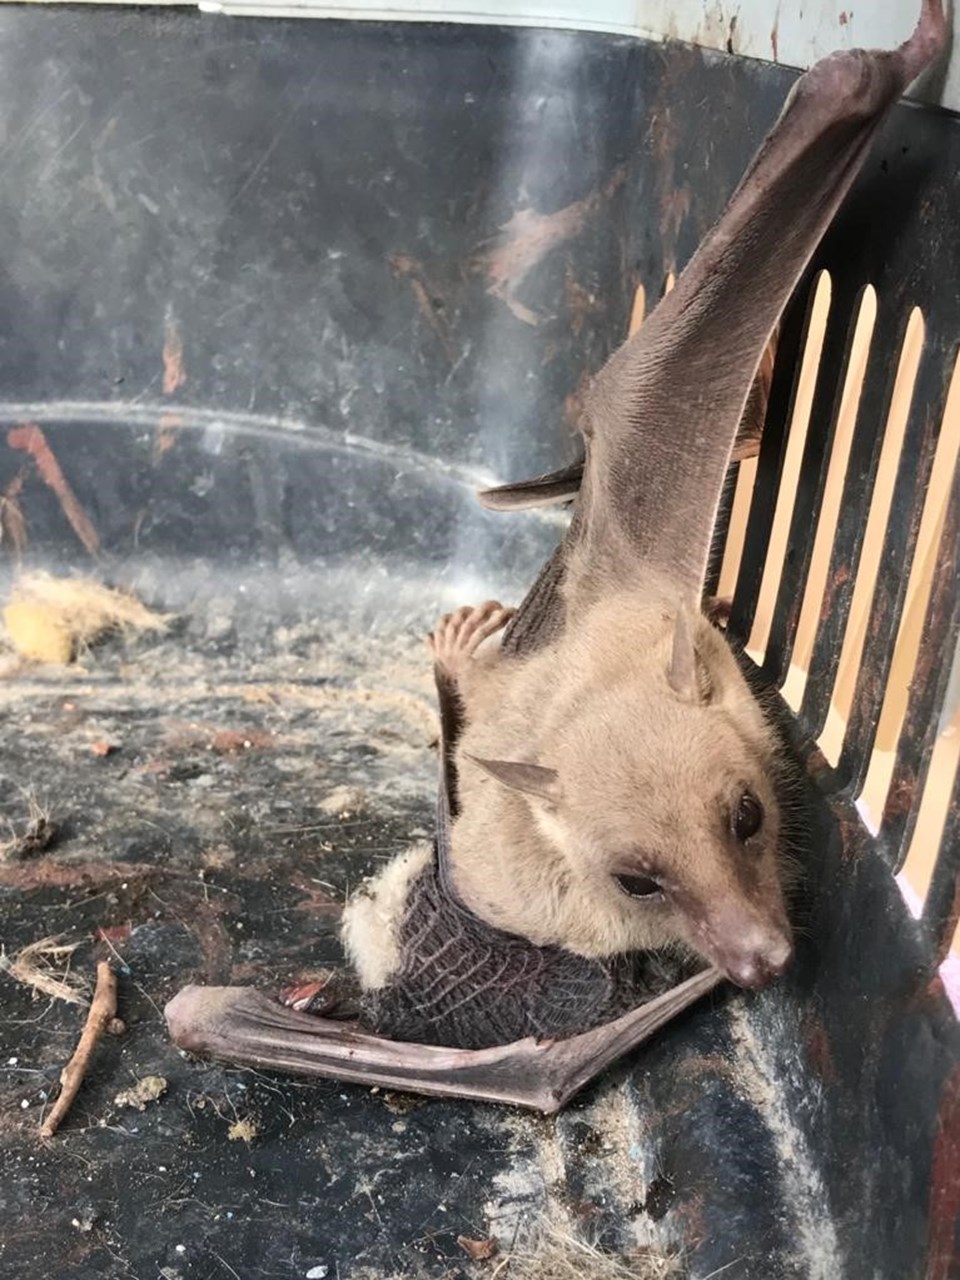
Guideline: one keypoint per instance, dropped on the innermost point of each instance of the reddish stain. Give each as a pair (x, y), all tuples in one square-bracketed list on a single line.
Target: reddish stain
[(674, 207), (582, 303), (31, 440), (174, 374), (428, 299), (844, 19), (114, 933), (899, 798), (13, 523), (168, 428), (841, 577), (224, 742), (44, 873), (317, 901), (575, 401), (820, 1053), (228, 742), (528, 238), (775, 44), (942, 1259)]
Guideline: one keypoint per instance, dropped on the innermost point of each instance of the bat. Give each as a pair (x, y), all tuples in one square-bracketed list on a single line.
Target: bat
[(611, 800), (563, 485)]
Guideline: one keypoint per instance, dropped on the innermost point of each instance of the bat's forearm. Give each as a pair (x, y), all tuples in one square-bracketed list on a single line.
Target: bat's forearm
[(240, 1025)]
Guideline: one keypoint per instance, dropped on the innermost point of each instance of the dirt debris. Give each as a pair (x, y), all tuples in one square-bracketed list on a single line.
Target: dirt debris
[(244, 1130), (478, 1250), (149, 1089)]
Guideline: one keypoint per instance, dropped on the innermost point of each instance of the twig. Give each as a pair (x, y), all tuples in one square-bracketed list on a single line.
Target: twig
[(103, 1010)]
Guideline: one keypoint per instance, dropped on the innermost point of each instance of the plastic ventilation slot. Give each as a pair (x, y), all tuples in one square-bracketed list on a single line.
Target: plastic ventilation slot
[(770, 481)]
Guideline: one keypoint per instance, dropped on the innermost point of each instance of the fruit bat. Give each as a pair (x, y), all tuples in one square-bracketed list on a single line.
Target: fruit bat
[(611, 811), (563, 485)]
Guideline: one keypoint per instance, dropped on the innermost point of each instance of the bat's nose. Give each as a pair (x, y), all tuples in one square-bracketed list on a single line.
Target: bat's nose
[(756, 967)]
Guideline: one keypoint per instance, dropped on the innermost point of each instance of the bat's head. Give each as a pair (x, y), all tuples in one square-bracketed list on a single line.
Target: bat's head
[(660, 796)]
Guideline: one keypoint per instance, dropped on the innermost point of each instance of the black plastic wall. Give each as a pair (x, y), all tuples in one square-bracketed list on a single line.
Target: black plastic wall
[(416, 239)]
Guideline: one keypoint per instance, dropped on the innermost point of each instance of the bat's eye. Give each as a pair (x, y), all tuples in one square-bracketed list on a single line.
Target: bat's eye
[(748, 818), (639, 886)]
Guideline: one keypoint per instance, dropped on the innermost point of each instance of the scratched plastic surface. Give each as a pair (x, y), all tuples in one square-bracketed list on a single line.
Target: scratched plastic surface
[(275, 298), (295, 523)]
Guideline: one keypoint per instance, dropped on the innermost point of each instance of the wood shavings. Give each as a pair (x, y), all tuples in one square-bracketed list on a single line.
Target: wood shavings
[(102, 1012), (44, 967), (53, 619), (559, 1255), (343, 802), (37, 832)]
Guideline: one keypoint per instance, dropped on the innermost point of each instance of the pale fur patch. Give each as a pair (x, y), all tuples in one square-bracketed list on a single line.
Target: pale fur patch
[(370, 926), (639, 769)]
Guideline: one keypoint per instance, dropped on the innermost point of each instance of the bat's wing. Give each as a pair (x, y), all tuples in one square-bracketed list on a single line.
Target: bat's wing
[(240, 1025), (563, 485), (542, 491), (661, 417)]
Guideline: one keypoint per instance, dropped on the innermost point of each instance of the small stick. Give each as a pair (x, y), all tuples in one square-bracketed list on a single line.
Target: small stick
[(103, 1010)]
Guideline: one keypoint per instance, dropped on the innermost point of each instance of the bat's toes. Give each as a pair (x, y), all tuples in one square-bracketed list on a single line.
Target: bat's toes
[(458, 635), (332, 995), (301, 996), (718, 610), (484, 621), (495, 621)]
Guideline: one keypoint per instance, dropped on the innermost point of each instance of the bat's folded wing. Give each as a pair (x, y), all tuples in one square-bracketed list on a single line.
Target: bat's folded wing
[(661, 418), (542, 491), (241, 1025)]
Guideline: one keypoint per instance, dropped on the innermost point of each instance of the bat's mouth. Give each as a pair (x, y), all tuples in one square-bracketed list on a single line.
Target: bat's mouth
[(640, 886)]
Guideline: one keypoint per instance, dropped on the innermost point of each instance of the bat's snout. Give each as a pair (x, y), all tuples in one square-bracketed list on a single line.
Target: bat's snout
[(758, 965), (751, 947)]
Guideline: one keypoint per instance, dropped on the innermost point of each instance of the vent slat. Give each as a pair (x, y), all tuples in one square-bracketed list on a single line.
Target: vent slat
[(773, 449), (811, 483), (941, 910), (931, 679), (858, 488), (900, 539)]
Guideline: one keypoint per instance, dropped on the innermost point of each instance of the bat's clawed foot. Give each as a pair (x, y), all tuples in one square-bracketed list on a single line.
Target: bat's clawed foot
[(717, 610), (457, 637), (333, 994)]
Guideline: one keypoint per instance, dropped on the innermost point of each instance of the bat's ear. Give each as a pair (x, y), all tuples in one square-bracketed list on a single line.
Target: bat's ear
[(533, 779), (685, 673)]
